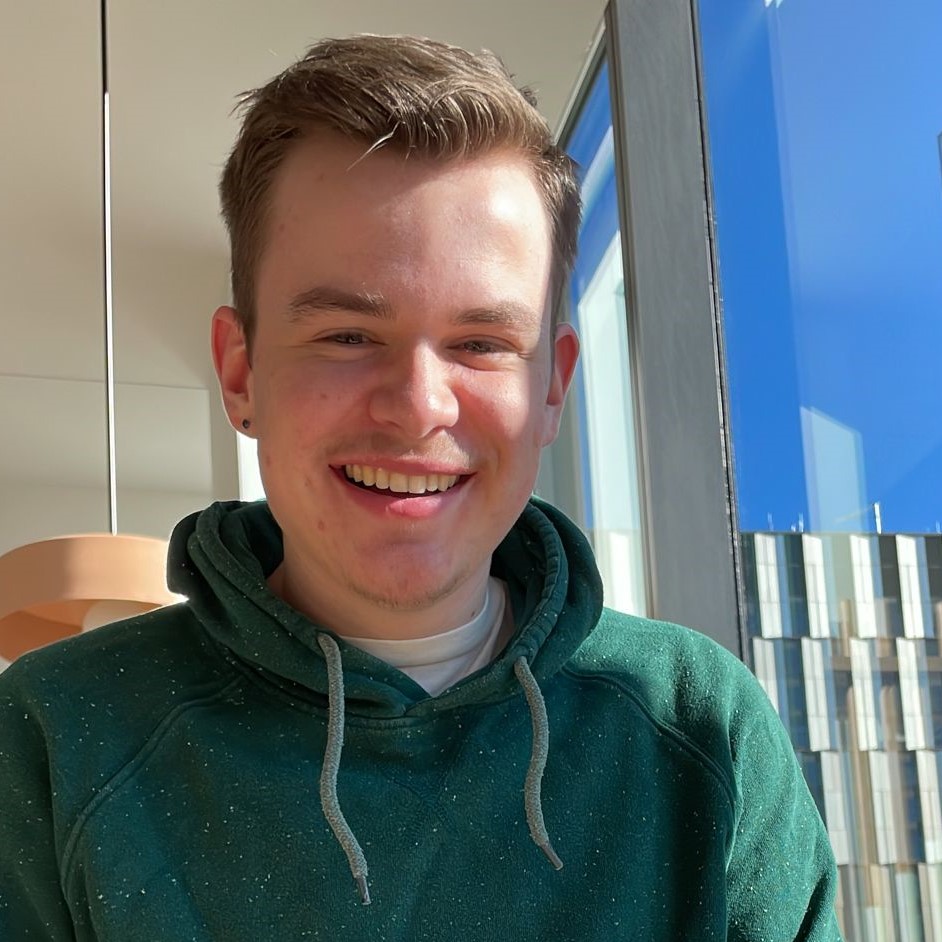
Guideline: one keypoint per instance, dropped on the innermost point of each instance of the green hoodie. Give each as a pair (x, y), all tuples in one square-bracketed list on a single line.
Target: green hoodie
[(160, 779)]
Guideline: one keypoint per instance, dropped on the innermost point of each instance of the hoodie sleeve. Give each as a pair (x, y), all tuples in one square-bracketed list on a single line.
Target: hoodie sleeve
[(781, 875), (32, 907)]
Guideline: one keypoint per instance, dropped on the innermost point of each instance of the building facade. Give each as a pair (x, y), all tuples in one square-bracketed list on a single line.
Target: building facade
[(844, 633)]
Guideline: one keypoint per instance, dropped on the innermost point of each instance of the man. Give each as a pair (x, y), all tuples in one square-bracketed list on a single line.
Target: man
[(394, 682)]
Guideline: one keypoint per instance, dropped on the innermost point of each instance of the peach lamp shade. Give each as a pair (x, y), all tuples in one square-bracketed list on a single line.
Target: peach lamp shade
[(59, 587)]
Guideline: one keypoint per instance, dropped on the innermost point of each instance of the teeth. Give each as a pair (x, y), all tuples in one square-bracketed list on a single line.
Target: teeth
[(399, 483)]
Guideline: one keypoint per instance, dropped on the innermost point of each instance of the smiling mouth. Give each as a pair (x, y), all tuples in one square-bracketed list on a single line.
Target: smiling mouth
[(379, 479)]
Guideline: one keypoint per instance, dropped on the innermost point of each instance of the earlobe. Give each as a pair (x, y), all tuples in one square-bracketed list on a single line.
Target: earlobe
[(233, 369)]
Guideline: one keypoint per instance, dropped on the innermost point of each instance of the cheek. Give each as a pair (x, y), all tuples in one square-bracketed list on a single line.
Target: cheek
[(517, 407), (299, 397), (510, 421)]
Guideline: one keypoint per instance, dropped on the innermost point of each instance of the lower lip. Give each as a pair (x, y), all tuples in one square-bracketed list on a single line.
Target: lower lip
[(404, 506)]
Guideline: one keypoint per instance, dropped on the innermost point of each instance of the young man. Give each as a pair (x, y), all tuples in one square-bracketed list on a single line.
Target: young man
[(394, 682)]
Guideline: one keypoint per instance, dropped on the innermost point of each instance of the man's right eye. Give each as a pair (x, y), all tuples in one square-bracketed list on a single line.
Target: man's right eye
[(347, 338)]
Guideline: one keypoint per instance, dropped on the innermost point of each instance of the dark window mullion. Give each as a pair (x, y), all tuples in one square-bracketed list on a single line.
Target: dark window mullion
[(674, 339)]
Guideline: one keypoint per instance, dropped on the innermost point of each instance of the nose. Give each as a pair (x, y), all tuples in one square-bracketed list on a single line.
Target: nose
[(416, 394)]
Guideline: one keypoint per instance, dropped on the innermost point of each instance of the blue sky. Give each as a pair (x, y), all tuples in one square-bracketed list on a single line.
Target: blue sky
[(824, 122)]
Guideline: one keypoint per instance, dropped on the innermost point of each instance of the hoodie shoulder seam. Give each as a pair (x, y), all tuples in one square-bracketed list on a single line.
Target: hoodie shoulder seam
[(131, 767), (665, 729)]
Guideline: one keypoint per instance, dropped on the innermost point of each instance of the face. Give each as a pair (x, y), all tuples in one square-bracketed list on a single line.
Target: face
[(402, 380)]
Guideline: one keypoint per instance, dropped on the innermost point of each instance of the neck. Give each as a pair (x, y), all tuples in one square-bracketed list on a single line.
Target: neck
[(355, 615)]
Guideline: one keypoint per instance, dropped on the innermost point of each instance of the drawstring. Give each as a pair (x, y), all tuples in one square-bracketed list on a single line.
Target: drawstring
[(329, 801), (533, 802), (532, 799)]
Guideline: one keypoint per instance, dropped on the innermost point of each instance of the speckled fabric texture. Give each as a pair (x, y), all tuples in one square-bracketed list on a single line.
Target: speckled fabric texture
[(159, 777)]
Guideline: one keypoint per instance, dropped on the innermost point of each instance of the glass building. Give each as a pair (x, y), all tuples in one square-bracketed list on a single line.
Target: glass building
[(844, 636)]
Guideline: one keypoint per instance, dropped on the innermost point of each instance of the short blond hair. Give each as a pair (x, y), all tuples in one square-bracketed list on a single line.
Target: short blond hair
[(416, 95)]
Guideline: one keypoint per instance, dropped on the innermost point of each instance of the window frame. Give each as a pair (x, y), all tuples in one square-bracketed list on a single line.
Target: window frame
[(693, 562)]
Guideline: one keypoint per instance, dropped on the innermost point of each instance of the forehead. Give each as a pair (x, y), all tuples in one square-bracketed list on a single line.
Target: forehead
[(338, 209), (327, 176)]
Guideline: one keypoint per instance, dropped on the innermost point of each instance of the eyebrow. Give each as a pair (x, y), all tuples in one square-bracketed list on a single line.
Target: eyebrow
[(325, 299), (504, 313)]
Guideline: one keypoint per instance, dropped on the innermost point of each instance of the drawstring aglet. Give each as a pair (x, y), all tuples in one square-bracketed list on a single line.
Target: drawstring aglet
[(365, 890), (551, 855)]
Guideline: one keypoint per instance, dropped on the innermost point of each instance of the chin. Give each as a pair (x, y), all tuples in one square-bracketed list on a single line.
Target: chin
[(406, 596)]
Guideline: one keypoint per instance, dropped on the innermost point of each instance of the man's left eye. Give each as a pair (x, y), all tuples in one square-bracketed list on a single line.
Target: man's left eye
[(479, 346)]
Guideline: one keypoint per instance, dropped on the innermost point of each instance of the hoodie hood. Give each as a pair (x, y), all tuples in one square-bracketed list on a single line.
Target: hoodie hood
[(221, 557)]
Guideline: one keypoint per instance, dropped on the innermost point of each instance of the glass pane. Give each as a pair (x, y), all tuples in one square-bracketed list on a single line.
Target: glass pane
[(601, 452), (824, 127)]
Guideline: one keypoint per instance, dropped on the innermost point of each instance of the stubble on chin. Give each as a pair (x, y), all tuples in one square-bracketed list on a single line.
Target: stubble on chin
[(401, 597)]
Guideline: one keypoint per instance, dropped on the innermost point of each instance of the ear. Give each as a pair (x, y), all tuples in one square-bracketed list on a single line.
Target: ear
[(233, 368), (565, 355)]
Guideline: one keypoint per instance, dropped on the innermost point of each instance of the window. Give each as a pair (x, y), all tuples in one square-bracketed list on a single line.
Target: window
[(824, 128), (600, 446)]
